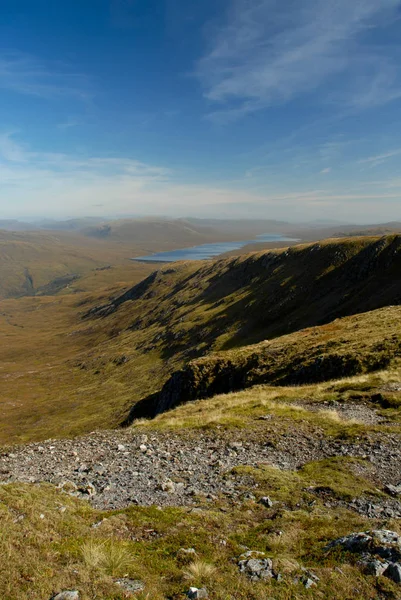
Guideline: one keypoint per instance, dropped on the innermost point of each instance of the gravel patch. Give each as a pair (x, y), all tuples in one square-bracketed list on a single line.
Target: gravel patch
[(117, 468)]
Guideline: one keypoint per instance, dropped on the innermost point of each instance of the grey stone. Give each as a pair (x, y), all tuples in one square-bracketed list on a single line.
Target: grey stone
[(66, 595), (256, 568), (187, 551), (197, 593), (130, 585), (393, 572), (266, 501), (373, 566), (381, 542)]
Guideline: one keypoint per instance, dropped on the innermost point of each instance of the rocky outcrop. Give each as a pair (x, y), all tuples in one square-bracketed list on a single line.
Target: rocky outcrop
[(379, 550), (271, 364)]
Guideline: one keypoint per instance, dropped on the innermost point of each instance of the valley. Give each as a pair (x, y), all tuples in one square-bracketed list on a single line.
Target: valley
[(158, 423)]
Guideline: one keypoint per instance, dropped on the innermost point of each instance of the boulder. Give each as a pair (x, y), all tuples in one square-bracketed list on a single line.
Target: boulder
[(197, 593), (254, 567), (66, 595), (266, 501)]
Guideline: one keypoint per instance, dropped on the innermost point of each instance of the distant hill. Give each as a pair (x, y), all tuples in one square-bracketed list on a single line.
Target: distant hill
[(69, 224), (147, 230), (40, 261), (14, 225)]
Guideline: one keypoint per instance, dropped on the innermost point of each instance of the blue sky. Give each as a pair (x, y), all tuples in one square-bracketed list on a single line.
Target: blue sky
[(287, 109)]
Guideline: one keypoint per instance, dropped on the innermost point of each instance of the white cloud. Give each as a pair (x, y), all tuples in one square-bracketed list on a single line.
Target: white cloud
[(38, 184), (27, 75), (268, 52), (325, 171)]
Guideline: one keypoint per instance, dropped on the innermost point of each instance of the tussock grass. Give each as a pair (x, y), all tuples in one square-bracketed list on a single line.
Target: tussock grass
[(199, 572), (112, 558)]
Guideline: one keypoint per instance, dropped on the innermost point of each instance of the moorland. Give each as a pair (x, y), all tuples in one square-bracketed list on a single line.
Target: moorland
[(158, 423)]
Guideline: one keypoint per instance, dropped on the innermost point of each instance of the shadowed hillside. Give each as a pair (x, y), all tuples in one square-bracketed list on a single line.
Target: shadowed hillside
[(190, 310), (347, 347), (232, 302)]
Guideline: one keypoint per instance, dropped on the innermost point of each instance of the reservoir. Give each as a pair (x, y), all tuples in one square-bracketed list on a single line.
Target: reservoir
[(205, 251)]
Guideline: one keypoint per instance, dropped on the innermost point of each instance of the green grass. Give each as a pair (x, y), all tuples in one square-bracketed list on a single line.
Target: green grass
[(48, 543)]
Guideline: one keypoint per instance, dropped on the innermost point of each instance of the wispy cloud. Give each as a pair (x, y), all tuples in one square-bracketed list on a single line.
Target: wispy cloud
[(61, 185), (25, 74), (268, 52), (374, 161)]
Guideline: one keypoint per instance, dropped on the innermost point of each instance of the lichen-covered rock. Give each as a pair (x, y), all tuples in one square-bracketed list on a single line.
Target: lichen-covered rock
[(130, 585), (66, 595), (380, 550), (380, 542), (255, 566)]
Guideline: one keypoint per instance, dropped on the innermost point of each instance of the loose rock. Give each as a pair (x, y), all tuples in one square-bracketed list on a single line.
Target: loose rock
[(197, 593), (130, 585), (66, 595)]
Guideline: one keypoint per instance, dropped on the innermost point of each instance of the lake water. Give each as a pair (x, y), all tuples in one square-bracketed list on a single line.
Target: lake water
[(205, 251)]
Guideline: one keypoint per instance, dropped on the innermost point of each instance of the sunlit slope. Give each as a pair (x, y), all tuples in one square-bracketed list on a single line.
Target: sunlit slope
[(76, 362)]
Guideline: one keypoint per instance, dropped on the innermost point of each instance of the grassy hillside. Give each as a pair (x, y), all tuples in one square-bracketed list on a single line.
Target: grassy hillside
[(281, 374), (198, 307), (75, 362), (346, 347), (55, 542), (46, 262)]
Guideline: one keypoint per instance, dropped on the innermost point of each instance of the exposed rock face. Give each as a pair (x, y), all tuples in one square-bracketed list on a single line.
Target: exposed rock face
[(380, 551), (266, 364)]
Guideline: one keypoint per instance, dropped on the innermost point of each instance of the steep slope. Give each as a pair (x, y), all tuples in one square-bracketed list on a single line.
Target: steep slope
[(346, 347), (196, 307), (187, 311)]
